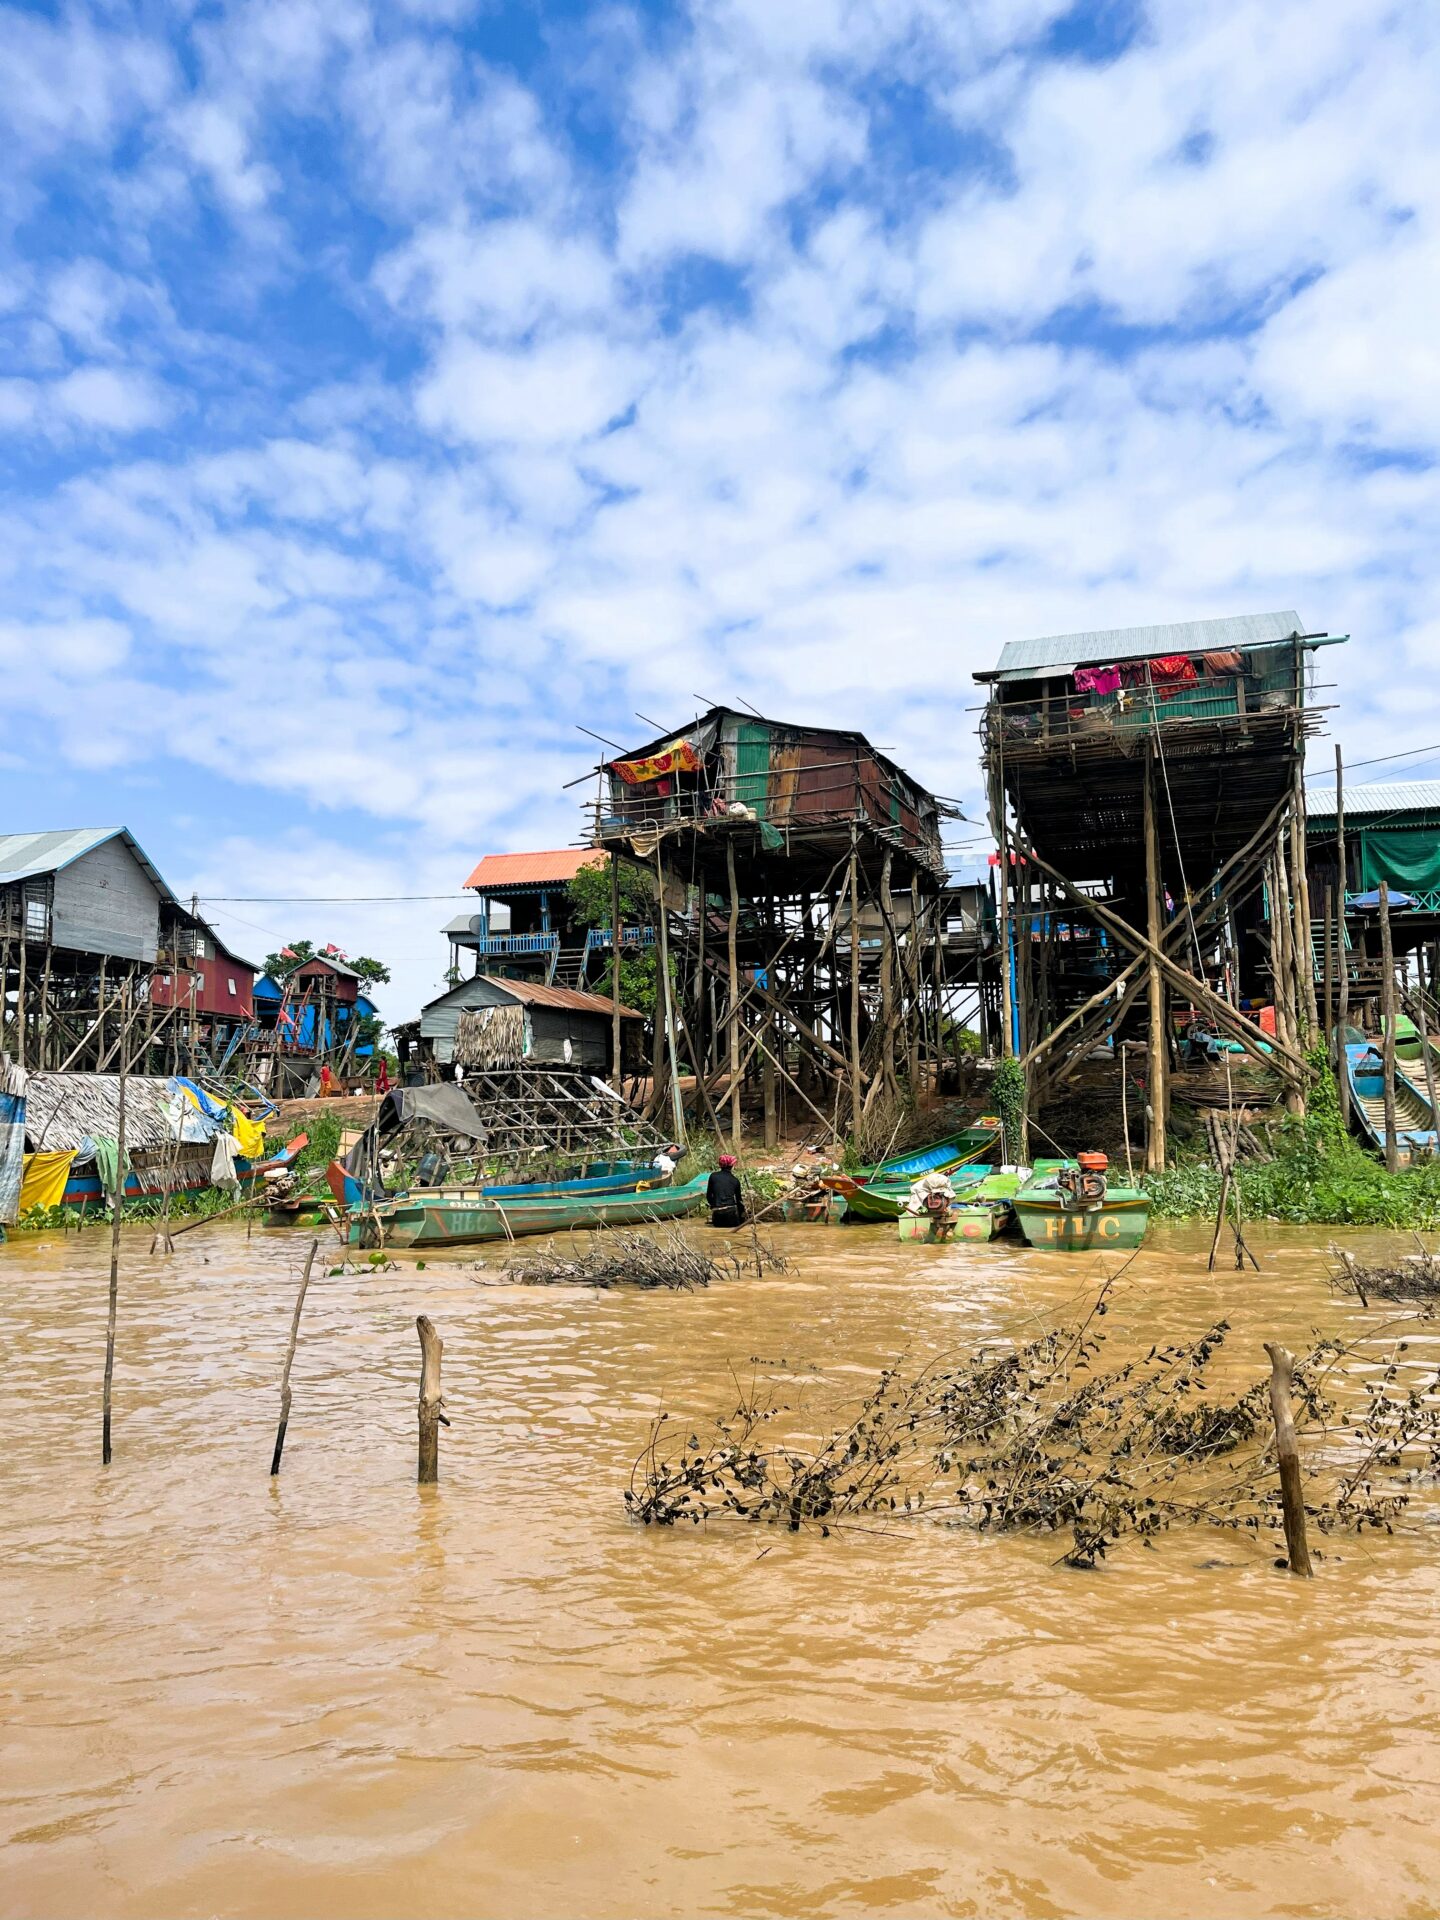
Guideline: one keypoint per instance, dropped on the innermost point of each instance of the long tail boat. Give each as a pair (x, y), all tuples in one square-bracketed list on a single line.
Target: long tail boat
[(605, 1176), (1073, 1206), (970, 1144), (1415, 1129), (455, 1216), (983, 1211), (887, 1200)]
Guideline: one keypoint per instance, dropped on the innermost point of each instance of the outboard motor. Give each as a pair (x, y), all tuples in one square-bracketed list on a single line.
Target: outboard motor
[(1084, 1184)]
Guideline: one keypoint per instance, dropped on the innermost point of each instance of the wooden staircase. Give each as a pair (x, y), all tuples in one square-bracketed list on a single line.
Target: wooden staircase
[(568, 968)]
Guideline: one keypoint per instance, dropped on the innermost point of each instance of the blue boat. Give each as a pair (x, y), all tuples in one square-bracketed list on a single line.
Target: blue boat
[(1415, 1130)]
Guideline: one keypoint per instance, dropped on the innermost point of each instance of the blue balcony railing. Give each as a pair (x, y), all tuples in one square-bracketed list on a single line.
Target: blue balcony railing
[(503, 944), (600, 937)]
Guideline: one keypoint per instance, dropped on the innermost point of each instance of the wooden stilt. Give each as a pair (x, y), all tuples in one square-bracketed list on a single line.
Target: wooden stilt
[(1342, 1012), (616, 1044), (733, 963), (1329, 937), (1387, 1024), (856, 1110), (1158, 1060)]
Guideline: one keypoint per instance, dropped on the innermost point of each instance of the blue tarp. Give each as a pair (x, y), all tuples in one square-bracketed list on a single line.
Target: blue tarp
[(12, 1137), (1371, 901)]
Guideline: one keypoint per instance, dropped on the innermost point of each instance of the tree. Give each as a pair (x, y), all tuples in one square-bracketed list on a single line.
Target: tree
[(589, 894), (291, 957)]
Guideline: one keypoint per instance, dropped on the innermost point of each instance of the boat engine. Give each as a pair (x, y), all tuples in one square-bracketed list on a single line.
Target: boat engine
[(1084, 1184)]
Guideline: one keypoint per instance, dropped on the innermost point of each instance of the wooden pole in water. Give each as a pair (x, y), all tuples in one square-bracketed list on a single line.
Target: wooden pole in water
[(1292, 1498), (117, 1207), (1387, 1023), (290, 1361), (1342, 1015), (431, 1401), (1158, 1067), (733, 966)]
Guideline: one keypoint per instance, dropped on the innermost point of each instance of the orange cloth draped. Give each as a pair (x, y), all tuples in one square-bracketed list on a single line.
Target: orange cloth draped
[(681, 758)]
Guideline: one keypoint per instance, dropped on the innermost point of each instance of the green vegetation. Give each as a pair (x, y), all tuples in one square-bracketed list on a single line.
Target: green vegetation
[(1007, 1097), (293, 955), (589, 897), (1319, 1177), (185, 1205)]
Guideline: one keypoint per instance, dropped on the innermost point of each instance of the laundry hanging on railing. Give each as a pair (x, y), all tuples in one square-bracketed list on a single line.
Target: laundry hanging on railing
[(680, 757)]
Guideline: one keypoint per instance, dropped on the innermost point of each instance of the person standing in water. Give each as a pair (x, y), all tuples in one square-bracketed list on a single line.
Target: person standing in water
[(723, 1195)]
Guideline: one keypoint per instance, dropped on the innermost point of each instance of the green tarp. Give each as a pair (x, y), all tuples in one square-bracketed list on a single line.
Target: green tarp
[(752, 765), (1408, 858)]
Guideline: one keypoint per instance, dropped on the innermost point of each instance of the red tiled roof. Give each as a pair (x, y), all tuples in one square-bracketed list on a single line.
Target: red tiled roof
[(533, 869)]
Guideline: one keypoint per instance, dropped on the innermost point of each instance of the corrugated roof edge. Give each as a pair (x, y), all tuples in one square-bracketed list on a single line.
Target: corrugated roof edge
[(89, 838), (1027, 659), (1396, 796)]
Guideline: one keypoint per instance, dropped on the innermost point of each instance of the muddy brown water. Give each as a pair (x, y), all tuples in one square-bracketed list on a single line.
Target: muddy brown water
[(341, 1694)]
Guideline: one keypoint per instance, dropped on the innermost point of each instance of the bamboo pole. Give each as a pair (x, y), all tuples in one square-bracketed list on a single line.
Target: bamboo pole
[(733, 966), (856, 1112), (617, 1052), (432, 1402), (1300, 880), (1292, 1497), (1423, 1022), (887, 975), (1342, 1017), (667, 1001), (1387, 1023), (1329, 934), (1158, 1065), (117, 1208), (1002, 843), (290, 1361)]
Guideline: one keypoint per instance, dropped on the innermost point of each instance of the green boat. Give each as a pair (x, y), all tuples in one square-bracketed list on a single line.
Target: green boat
[(456, 1216), (941, 1156), (985, 1210), (887, 1200), (1051, 1213)]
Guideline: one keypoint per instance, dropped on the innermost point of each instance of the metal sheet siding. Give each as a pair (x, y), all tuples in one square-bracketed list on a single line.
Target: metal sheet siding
[(1025, 659), (105, 902)]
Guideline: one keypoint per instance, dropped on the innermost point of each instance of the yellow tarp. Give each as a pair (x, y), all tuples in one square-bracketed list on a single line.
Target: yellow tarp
[(249, 1134), (43, 1184)]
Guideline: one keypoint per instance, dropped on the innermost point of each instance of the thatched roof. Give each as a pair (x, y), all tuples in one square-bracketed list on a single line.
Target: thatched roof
[(62, 1108)]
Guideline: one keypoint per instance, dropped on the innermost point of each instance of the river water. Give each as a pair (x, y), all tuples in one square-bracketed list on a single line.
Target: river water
[(341, 1694)]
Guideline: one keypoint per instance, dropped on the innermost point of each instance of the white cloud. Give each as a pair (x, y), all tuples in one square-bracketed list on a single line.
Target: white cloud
[(109, 399), (564, 389)]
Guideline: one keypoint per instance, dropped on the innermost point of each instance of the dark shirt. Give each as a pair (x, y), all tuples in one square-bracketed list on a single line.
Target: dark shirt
[(724, 1198)]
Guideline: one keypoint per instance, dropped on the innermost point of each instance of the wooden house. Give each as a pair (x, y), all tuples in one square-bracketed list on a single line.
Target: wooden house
[(200, 972), (504, 1022)]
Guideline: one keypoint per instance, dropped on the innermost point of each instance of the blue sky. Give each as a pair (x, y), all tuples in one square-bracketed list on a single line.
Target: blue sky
[(388, 390)]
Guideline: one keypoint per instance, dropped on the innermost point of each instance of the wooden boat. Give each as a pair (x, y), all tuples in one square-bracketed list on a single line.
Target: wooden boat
[(886, 1200), (454, 1216), (1415, 1129), (1050, 1214), (941, 1156), (986, 1211), (83, 1190), (602, 1176)]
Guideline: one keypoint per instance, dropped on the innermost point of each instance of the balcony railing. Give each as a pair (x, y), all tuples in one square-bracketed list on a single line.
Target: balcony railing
[(1072, 715), (600, 937), (505, 945)]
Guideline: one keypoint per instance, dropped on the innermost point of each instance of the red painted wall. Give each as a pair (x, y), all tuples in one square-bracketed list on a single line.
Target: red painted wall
[(212, 978)]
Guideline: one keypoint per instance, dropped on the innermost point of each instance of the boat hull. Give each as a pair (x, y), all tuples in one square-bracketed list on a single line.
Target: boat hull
[(976, 1222), (1118, 1221), (472, 1217), (941, 1156)]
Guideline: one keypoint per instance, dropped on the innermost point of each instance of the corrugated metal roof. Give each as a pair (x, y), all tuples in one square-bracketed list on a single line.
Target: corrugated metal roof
[(24, 855), (535, 995), (1383, 796), (552, 868), (1028, 659)]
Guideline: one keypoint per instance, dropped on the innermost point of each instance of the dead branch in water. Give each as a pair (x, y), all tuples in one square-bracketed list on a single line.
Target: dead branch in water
[(1416, 1277), (1044, 1437), (618, 1259)]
